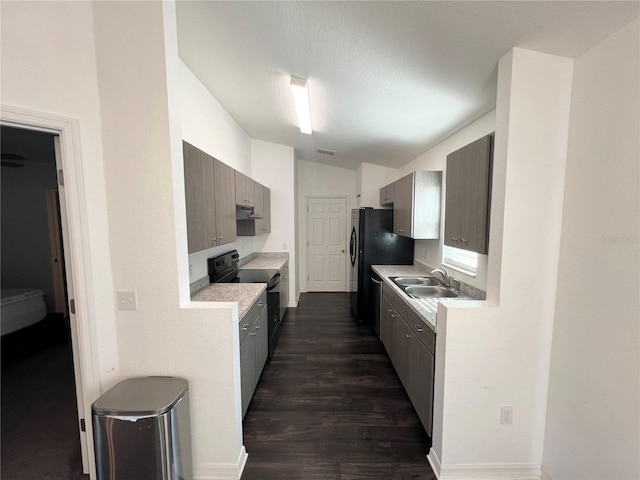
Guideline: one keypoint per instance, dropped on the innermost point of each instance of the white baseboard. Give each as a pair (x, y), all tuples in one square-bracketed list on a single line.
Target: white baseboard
[(485, 471), (221, 471), (434, 461)]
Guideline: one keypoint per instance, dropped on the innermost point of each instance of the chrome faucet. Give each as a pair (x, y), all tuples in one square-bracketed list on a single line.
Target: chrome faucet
[(443, 272)]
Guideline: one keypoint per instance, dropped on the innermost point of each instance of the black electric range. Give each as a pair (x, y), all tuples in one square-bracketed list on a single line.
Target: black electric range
[(224, 269)]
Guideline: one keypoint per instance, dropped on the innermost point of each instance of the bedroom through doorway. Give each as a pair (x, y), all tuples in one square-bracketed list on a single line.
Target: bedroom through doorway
[(40, 431)]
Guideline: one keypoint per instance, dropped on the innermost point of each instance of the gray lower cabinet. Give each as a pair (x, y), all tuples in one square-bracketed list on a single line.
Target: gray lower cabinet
[(254, 346), (410, 345)]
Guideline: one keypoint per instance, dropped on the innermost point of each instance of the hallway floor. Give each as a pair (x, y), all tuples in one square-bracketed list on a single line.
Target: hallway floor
[(330, 405)]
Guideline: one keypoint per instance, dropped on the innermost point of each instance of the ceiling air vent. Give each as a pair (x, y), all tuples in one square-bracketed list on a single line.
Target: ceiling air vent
[(325, 151)]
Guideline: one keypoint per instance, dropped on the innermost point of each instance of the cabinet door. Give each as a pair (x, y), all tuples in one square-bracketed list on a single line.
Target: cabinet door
[(225, 207), (403, 206), (267, 210), (244, 190), (386, 324), (419, 380), (399, 347), (258, 198), (261, 331), (247, 370), (387, 194), (468, 196), (199, 199)]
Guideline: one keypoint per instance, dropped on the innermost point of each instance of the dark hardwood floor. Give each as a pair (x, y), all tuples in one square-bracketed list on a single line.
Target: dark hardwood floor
[(329, 405)]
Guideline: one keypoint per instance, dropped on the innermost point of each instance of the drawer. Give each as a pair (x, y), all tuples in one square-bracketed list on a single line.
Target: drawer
[(250, 317)]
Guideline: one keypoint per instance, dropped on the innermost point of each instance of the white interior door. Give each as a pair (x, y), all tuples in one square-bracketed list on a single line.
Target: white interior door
[(77, 364), (326, 240)]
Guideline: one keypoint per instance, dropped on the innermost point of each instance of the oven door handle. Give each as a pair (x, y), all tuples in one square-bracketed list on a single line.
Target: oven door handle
[(274, 282)]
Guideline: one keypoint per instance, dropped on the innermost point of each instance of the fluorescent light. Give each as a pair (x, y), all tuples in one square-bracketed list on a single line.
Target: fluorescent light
[(301, 101)]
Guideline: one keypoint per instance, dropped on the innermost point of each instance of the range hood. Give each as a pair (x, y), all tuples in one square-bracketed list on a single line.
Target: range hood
[(246, 213)]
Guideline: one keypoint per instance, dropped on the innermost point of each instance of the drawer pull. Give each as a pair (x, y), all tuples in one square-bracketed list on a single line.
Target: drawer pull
[(418, 328), (393, 316), (245, 327)]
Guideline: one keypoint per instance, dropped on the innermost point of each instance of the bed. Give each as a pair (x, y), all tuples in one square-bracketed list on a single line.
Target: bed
[(21, 307)]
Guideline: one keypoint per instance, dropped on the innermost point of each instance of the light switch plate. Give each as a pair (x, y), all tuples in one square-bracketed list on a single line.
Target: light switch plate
[(126, 300)]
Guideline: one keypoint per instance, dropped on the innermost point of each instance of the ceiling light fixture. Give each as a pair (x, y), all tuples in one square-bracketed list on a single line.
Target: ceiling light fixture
[(301, 100)]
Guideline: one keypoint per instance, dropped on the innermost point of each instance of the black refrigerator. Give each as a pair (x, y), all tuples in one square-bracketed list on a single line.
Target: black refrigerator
[(373, 243)]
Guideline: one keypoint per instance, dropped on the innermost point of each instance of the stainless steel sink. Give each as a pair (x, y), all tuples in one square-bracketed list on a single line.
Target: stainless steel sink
[(423, 291), (408, 281)]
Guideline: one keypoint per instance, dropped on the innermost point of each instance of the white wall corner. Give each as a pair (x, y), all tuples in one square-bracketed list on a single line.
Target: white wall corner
[(221, 471)]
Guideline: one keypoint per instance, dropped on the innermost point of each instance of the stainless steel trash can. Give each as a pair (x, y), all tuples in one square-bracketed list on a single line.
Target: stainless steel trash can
[(142, 430)]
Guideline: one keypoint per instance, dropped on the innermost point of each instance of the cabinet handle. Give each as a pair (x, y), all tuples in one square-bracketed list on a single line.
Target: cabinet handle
[(393, 316), (253, 334), (408, 336), (245, 327), (260, 304), (464, 240), (418, 328), (454, 239), (257, 327), (389, 310), (401, 229)]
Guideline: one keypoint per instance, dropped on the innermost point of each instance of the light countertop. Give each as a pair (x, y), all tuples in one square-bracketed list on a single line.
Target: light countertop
[(245, 294), (427, 308), (265, 261)]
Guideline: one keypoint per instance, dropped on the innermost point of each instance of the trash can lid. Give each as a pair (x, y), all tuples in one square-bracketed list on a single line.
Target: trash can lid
[(141, 396)]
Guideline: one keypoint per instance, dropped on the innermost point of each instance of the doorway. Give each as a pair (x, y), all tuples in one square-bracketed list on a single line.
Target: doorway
[(326, 244), (40, 423)]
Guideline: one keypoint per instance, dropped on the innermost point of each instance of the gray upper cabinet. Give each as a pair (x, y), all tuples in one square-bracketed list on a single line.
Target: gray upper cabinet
[(262, 208), (468, 195), (386, 194), (210, 200), (244, 190), (416, 200), (200, 199), (225, 193)]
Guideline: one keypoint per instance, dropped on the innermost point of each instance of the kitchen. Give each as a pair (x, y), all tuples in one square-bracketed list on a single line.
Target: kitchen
[(523, 242)]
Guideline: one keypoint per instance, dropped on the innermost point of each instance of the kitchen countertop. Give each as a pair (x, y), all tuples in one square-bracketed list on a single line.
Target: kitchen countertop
[(427, 308), (244, 293), (265, 261)]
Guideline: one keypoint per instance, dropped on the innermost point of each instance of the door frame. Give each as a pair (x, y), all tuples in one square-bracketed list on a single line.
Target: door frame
[(78, 264), (347, 219)]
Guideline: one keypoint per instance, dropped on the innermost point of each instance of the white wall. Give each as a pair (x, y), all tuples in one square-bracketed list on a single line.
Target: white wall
[(315, 179), (369, 179), (498, 354), (273, 166), (167, 334), (60, 77), (592, 428)]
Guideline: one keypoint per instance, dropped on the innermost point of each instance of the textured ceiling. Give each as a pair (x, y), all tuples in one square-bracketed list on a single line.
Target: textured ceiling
[(387, 80)]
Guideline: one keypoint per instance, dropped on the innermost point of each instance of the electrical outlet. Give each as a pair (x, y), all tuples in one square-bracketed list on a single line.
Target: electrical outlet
[(126, 300), (506, 415)]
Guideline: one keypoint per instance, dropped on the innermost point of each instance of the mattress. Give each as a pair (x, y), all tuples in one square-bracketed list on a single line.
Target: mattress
[(21, 307)]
